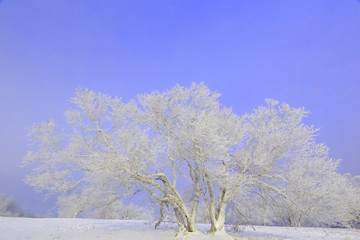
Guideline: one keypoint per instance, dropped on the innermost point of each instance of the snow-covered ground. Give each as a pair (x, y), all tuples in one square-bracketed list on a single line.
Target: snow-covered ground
[(88, 229)]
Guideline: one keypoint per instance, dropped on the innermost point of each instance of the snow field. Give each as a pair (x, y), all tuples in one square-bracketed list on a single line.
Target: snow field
[(91, 229)]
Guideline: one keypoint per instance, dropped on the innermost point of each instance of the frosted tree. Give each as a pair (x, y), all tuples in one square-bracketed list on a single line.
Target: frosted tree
[(125, 147), (165, 142), (322, 196), (355, 182), (305, 189), (246, 153), (315, 197), (294, 175), (10, 208)]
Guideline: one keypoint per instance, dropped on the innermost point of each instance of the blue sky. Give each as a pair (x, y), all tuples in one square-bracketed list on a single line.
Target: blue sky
[(305, 53)]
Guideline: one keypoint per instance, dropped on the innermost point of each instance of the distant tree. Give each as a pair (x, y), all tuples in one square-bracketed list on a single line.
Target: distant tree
[(161, 142), (79, 204), (9, 208), (251, 210), (98, 204), (117, 210)]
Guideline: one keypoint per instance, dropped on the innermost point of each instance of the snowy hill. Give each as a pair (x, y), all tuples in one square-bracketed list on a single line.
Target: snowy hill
[(89, 229)]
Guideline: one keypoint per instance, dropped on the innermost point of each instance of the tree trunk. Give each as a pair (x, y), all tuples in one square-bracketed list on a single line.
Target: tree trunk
[(76, 214), (182, 214), (161, 217), (191, 225), (180, 220), (195, 207), (218, 223)]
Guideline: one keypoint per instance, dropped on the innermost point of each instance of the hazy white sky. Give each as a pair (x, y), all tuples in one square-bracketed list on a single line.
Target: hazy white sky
[(305, 53)]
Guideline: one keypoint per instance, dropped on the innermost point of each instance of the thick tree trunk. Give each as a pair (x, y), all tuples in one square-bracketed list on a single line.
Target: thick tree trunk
[(195, 206), (184, 219), (185, 223), (191, 225), (218, 219), (180, 220), (218, 222)]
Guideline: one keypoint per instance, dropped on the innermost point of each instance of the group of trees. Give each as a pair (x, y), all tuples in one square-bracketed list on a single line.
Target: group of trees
[(187, 151), (9, 208), (324, 204)]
